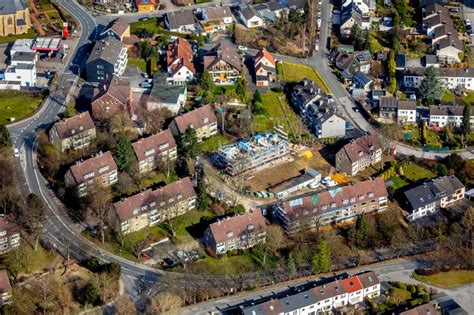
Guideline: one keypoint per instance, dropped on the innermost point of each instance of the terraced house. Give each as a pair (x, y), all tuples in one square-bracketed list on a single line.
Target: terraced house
[(151, 207), (155, 150), (359, 154), (100, 169), (333, 206), (73, 133)]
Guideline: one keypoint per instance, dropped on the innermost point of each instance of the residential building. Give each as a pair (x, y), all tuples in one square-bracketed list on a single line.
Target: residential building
[(450, 77), (108, 57), (223, 63), (216, 19), (247, 155), (9, 233), (269, 17), (362, 80), (239, 232), (359, 154), (22, 69), (182, 21), (179, 62), (449, 49), (447, 115), (265, 68), (431, 61), (406, 112), (305, 93), (340, 204), (309, 179), (202, 120), (99, 169), (14, 17), (432, 195), (250, 17), (350, 16), (73, 133), (5, 288), (353, 62), (155, 150), (163, 95), (151, 207), (316, 297), (114, 97), (424, 309), (146, 5), (118, 28)]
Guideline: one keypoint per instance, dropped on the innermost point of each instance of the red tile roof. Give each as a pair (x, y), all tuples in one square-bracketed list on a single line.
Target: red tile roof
[(179, 54), (238, 225), (74, 125), (115, 96), (124, 209), (99, 164), (196, 118), (5, 285), (154, 142), (352, 284), (263, 53)]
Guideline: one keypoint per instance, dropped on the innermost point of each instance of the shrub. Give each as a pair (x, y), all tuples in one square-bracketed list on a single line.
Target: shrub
[(426, 271), (277, 89), (426, 298)]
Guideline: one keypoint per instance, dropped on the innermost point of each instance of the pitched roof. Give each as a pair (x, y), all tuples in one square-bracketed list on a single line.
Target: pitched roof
[(249, 12), (270, 307), (176, 19), (12, 6), (107, 49), (444, 30), (368, 279), (435, 8), (331, 289), (425, 309), (165, 93), (364, 145), (352, 284), (238, 225), (5, 285), (198, 118), (437, 20), (448, 110), (450, 41), (263, 53), (143, 202), (119, 26), (98, 164), (118, 89), (74, 125), (179, 54), (217, 13), (145, 145), (407, 104), (443, 72), (225, 53), (388, 102), (8, 224), (362, 78)]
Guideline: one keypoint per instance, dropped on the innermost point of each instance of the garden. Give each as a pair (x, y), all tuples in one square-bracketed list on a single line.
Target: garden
[(18, 105), (293, 73)]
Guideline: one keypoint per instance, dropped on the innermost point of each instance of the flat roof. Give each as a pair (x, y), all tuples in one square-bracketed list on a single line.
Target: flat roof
[(47, 43)]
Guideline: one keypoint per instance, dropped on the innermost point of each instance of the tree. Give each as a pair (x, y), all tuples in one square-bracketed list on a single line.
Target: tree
[(32, 217), (392, 69), (321, 260), (99, 201), (431, 88), (454, 162), (368, 41), (274, 239), (357, 37), (404, 10), (207, 83), (292, 265), (123, 152), (441, 169), (155, 119), (362, 232), (146, 49), (241, 88), (466, 120), (202, 200), (257, 97), (188, 144), (123, 306), (88, 295), (5, 139), (125, 184), (168, 302)]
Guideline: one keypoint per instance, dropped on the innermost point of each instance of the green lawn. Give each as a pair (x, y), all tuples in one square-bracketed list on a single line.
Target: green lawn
[(433, 139), (274, 114), (293, 72), (398, 182), (415, 173), (153, 178), (447, 280), (213, 143), (45, 5), (17, 105), (448, 96), (150, 25), (11, 38), (375, 43), (137, 62), (229, 265), (187, 220)]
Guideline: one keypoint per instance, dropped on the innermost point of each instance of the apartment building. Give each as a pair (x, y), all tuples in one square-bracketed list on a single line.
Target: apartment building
[(114, 97), (238, 232), (151, 207), (223, 63), (179, 62), (100, 169), (118, 28), (9, 233), (333, 206), (445, 115), (155, 150), (202, 120), (73, 133), (250, 154), (5, 288), (22, 69), (432, 195), (317, 298), (359, 154), (450, 77), (108, 57)]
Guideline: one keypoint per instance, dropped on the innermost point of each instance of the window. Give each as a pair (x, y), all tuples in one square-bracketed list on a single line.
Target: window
[(250, 227), (230, 234)]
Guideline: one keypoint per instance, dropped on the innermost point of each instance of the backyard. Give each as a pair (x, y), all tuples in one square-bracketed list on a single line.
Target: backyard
[(449, 279), (293, 72), (150, 25), (137, 62), (17, 105), (213, 143), (414, 173)]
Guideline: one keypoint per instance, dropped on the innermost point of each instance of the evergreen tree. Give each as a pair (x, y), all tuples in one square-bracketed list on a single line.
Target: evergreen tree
[(392, 69), (123, 152), (431, 88), (368, 42), (362, 232), (202, 200), (292, 265), (206, 82), (241, 88), (188, 144), (5, 139), (257, 97), (466, 120), (321, 260)]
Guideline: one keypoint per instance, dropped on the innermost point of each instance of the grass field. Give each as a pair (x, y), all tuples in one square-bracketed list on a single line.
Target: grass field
[(11, 38), (137, 62), (415, 173), (274, 113), (447, 280), (150, 25), (213, 143), (293, 72), (17, 105), (398, 182)]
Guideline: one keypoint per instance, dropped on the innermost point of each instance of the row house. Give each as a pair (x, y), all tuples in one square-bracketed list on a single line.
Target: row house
[(215, 19), (238, 232), (400, 111), (73, 133), (265, 68), (202, 120), (9, 233), (155, 150), (359, 154), (108, 57), (451, 78), (179, 62), (406, 112), (316, 298), (99, 169), (334, 206), (446, 115), (449, 49), (5, 288), (114, 97), (223, 63), (151, 207), (433, 195)]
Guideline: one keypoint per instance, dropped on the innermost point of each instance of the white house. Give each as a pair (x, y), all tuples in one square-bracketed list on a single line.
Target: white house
[(250, 17), (448, 49), (442, 116), (406, 112), (162, 95), (216, 19), (351, 15), (22, 68), (450, 77), (363, 5)]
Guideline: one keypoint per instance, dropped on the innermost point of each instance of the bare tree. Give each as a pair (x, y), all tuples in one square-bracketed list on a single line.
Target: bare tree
[(155, 120), (123, 306), (99, 201), (169, 302), (274, 239)]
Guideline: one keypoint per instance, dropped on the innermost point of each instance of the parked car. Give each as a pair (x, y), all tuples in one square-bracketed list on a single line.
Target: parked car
[(242, 48), (145, 85), (355, 109), (145, 75), (467, 22), (16, 153)]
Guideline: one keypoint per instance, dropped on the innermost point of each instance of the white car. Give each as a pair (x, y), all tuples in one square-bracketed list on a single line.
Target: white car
[(16, 153), (242, 48), (326, 179), (467, 22)]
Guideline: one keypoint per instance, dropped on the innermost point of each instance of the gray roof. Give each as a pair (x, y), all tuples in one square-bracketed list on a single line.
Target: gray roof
[(267, 14), (11, 6), (107, 49), (180, 18), (443, 72), (450, 41), (448, 110), (306, 90), (23, 56), (388, 102), (362, 78), (249, 12), (165, 93), (407, 104), (296, 4), (431, 59)]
